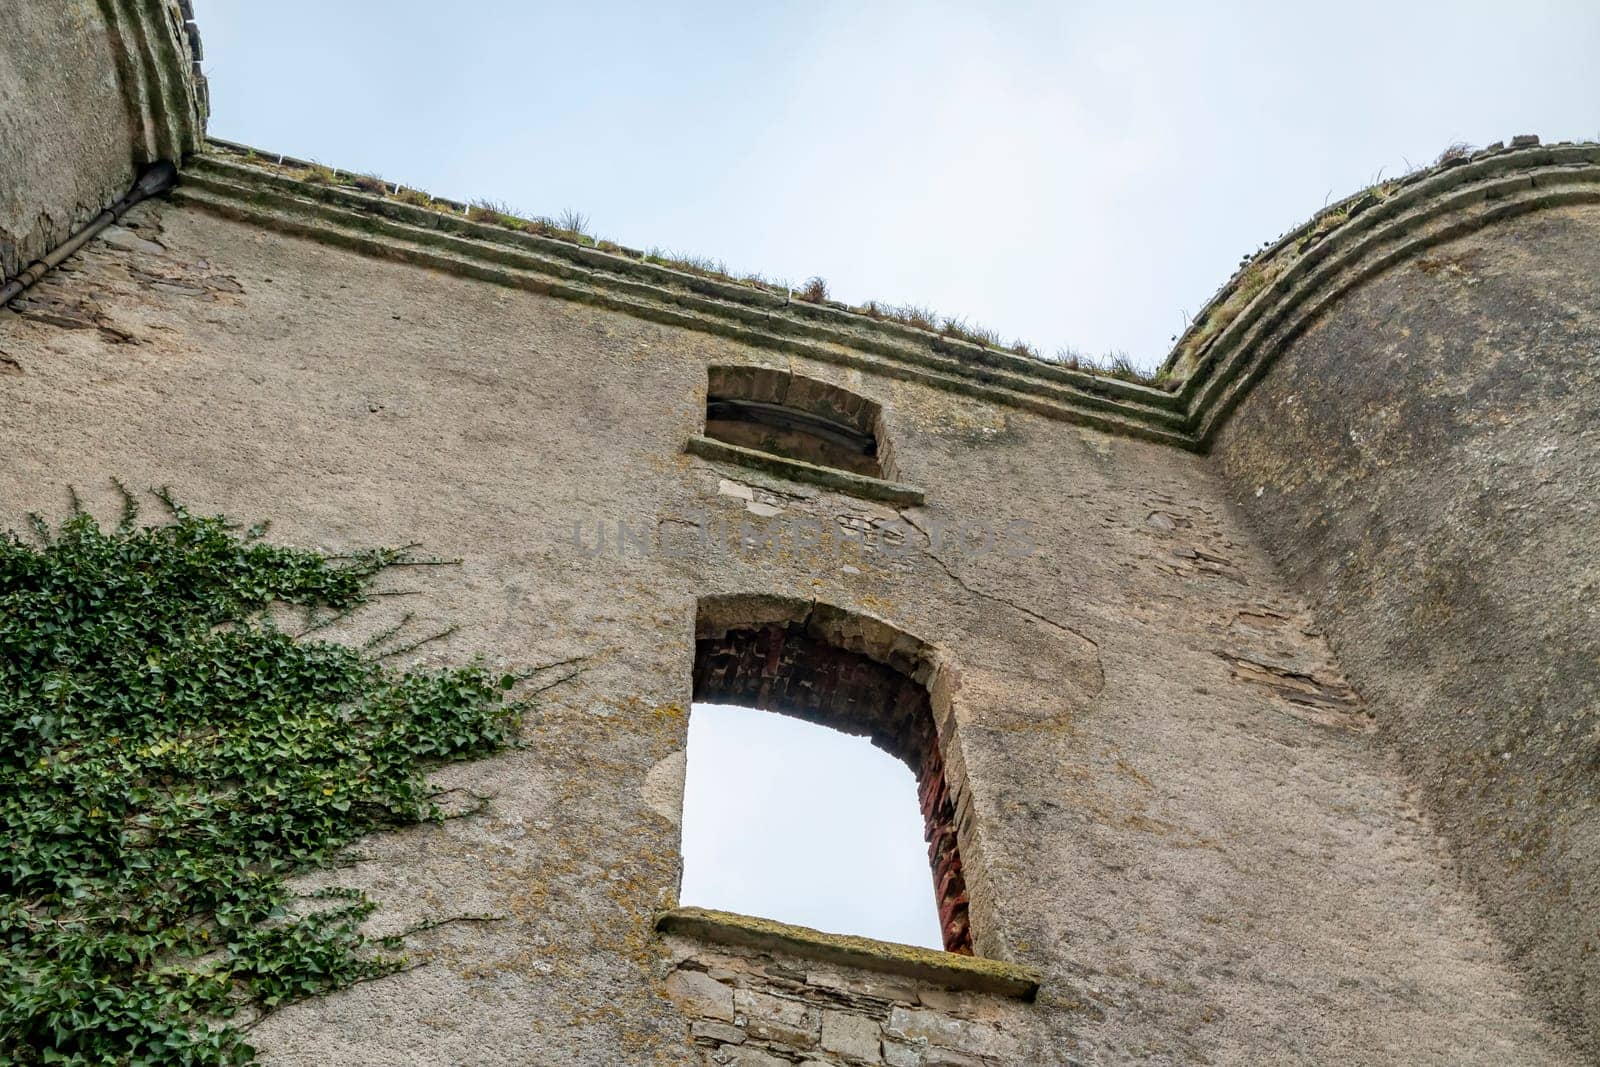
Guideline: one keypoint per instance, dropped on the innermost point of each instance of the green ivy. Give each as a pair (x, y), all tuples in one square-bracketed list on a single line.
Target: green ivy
[(169, 756)]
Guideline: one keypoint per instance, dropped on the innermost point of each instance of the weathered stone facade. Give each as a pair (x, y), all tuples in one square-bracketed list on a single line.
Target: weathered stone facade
[(1438, 501), (1207, 834)]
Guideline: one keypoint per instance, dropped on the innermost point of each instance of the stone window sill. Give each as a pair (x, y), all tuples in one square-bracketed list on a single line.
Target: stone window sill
[(908, 961), (828, 477)]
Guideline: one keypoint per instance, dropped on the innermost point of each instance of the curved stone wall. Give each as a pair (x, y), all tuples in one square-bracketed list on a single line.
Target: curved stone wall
[(91, 90), (1423, 460)]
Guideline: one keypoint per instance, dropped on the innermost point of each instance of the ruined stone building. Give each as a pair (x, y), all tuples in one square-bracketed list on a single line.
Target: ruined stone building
[(1255, 710)]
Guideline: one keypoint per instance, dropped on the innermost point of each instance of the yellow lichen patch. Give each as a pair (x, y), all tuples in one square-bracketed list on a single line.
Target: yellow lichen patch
[(672, 712)]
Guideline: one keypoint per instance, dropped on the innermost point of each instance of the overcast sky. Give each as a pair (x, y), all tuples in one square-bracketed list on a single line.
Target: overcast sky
[(799, 823), (1071, 174)]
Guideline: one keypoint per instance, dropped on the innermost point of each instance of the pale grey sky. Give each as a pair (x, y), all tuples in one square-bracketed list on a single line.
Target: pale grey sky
[(803, 824), (1070, 173)]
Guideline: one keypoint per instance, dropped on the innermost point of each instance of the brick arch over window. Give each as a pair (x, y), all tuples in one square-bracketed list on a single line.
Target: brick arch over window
[(856, 674)]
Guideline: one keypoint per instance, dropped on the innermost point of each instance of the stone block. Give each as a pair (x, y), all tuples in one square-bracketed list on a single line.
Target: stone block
[(854, 1036), (920, 1026), (724, 1033), (777, 1018), (697, 993), (897, 1055)]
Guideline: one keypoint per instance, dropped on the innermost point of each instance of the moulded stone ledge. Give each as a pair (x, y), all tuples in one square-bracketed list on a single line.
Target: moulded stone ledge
[(827, 322), (393, 230), (828, 477), (908, 961)]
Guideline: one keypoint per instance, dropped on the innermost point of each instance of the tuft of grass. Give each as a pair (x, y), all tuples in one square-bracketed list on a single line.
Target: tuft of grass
[(1459, 150), (814, 291), (961, 330), (317, 174), (414, 197), (688, 262), (1114, 364), (482, 210), (920, 318), (371, 183), (573, 222), (498, 213)]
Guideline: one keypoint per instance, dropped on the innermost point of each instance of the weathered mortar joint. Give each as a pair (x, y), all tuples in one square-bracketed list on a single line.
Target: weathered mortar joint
[(1325, 701)]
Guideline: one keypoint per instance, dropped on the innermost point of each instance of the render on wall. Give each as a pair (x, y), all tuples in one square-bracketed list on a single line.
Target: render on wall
[(1182, 834)]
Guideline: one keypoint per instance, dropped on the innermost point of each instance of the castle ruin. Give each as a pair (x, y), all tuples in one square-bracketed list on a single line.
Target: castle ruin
[(1254, 709)]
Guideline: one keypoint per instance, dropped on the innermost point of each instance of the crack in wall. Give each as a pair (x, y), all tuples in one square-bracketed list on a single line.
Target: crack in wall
[(985, 595)]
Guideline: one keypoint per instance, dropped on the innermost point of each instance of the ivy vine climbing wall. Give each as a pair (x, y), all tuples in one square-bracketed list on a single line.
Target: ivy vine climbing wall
[(170, 754)]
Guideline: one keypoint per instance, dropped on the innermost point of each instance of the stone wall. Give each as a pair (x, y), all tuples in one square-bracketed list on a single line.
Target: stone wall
[(91, 90), (774, 1009), (1184, 821), (1425, 462)]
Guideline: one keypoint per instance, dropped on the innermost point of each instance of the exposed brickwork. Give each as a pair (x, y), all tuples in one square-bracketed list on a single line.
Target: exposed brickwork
[(784, 668), (939, 829)]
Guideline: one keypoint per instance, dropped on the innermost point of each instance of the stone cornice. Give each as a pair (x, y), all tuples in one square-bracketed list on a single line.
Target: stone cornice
[(157, 46), (1283, 290), (1229, 346), (225, 181)]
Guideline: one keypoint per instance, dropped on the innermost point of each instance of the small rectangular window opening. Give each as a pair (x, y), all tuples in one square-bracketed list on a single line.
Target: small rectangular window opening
[(797, 418)]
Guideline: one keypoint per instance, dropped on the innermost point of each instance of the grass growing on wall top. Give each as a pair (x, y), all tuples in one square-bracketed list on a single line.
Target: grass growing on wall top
[(169, 756)]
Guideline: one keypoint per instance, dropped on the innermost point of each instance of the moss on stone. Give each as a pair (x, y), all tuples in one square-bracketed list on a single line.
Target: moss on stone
[(909, 961)]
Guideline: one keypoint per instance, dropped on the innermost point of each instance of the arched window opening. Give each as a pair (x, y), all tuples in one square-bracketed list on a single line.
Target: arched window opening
[(794, 417), (858, 675)]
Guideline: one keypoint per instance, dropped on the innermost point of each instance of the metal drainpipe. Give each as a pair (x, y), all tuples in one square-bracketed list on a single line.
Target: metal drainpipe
[(156, 179)]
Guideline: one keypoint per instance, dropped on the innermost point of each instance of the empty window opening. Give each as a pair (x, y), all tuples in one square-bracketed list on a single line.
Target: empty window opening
[(861, 677), (803, 824), (797, 418)]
